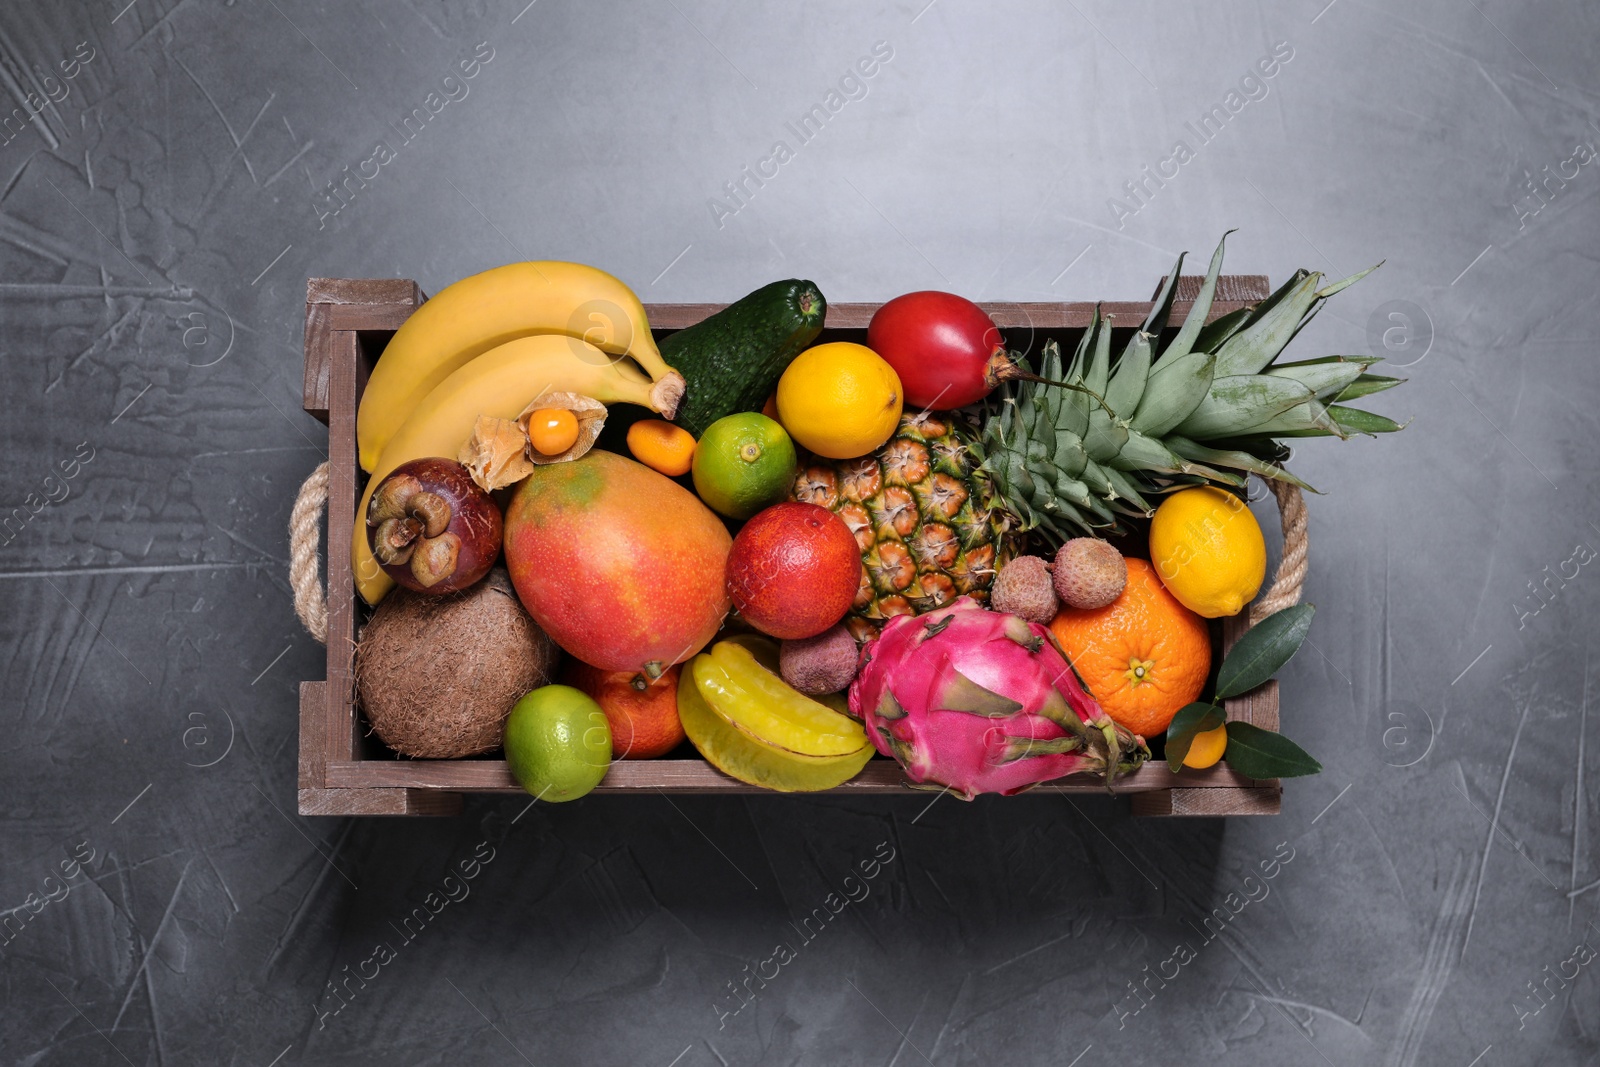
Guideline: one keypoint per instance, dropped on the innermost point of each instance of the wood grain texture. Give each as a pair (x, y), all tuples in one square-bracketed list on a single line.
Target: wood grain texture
[(313, 753), (1259, 706), (1231, 288), (697, 776), (385, 317), (363, 291), (1040, 316), (339, 721), (378, 802), (1260, 800), (315, 389)]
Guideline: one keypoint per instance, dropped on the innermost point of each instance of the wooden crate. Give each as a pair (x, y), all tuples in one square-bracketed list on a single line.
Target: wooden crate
[(345, 772)]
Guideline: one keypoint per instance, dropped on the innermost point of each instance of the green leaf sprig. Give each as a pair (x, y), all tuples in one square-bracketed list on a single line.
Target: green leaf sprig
[(1263, 649), (1253, 660), (1191, 721)]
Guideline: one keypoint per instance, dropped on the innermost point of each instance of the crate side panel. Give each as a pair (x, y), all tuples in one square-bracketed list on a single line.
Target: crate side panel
[(315, 389), (1073, 315), (362, 291), (1258, 707), (879, 775), (386, 317), (313, 755), (338, 725), (1234, 288), (1213, 803), (378, 802)]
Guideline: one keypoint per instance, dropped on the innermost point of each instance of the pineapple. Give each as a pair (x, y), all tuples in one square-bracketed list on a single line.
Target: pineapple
[(951, 497), (925, 516)]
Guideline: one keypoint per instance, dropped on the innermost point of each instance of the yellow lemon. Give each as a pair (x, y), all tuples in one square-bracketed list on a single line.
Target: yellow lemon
[(1208, 550), (840, 400), (1205, 749)]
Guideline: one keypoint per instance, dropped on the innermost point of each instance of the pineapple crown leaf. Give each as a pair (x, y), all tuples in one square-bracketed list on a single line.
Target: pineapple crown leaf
[(1096, 436)]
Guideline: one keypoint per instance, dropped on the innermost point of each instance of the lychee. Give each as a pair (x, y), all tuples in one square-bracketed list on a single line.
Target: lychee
[(1023, 588), (819, 665), (1089, 573)]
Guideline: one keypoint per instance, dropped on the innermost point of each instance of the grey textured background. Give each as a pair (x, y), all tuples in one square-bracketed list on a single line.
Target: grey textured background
[(157, 226)]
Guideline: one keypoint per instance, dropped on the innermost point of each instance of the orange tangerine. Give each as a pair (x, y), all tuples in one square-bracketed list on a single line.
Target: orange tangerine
[(1143, 656), (1206, 748), (662, 446)]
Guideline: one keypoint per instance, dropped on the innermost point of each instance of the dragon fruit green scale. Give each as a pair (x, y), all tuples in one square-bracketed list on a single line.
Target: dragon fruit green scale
[(977, 701)]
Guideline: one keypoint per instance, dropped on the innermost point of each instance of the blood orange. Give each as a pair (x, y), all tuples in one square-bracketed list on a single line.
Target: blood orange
[(793, 570)]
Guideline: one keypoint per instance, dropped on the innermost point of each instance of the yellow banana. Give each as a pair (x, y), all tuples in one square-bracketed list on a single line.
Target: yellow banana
[(501, 382), (485, 310)]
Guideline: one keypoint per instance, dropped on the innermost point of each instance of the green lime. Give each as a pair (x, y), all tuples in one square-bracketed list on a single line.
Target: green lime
[(558, 743), (744, 462)]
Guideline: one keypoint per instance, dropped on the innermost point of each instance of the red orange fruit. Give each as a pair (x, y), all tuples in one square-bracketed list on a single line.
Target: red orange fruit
[(793, 570), (644, 723)]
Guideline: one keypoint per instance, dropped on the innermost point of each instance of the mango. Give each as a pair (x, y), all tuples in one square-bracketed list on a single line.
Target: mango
[(621, 566)]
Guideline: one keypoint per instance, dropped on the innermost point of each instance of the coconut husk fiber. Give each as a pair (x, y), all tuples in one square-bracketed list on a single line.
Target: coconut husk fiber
[(436, 676)]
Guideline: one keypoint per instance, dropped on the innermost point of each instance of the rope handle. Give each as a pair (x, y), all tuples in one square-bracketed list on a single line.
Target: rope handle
[(305, 553), (311, 603), (1291, 576)]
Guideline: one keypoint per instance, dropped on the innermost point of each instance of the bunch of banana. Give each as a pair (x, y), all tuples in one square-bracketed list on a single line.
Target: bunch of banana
[(1210, 405), (492, 344), (486, 310)]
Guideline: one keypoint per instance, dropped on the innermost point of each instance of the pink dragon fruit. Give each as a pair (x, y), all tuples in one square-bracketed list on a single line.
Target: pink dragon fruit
[(978, 701)]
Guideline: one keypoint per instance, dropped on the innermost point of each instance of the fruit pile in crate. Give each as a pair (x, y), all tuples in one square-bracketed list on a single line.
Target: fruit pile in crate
[(995, 568)]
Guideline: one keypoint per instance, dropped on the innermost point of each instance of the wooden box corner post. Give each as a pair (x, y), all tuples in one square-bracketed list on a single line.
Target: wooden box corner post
[(338, 310)]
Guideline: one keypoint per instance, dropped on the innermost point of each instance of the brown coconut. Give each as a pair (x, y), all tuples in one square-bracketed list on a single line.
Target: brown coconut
[(437, 675)]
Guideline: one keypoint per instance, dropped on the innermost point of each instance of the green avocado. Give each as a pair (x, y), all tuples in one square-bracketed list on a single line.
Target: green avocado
[(732, 361)]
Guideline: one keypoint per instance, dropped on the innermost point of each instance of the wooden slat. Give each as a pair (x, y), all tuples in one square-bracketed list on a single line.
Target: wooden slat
[(315, 389), (1259, 706), (364, 291), (1237, 288), (392, 302), (339, 721), (313, 760), (1039, 316), (1262, 800), (378, 802), (697, 776), (368, 317)]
